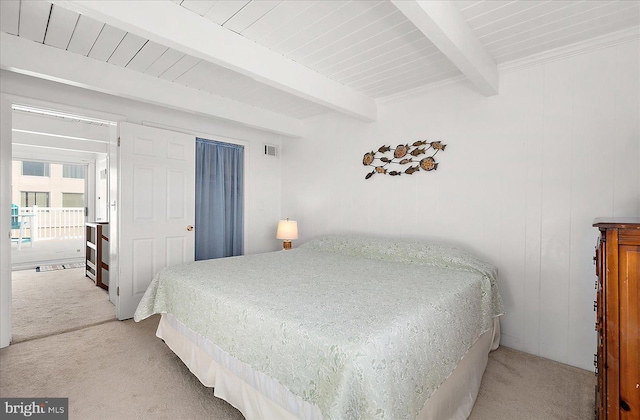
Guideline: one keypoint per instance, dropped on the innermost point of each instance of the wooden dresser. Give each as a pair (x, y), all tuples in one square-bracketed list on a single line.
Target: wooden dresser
[(618, 319)]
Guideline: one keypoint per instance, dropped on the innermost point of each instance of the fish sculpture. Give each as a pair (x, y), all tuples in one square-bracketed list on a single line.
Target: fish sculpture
[(368, 158), (401, 151), (403, 154), (437, 145), (428, 164)]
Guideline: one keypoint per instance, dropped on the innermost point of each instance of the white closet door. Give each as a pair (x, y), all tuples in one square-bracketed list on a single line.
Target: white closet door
[(157, 210)]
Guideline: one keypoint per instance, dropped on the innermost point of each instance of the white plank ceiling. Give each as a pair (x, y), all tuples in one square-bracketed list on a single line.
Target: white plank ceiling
[(370, 47)]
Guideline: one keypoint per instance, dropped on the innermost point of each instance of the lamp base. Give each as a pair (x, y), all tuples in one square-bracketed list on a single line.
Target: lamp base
[(286, 244)]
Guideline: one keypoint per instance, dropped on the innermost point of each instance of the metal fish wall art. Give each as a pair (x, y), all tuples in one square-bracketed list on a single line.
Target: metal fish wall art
[(403, 154)]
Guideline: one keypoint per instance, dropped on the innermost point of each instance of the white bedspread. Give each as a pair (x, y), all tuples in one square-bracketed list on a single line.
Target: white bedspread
[(360, 327)]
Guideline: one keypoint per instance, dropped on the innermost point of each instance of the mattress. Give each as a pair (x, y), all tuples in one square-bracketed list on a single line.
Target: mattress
[(352, 327)]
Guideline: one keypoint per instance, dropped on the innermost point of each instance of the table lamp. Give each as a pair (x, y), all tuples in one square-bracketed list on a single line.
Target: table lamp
[(287, 230)]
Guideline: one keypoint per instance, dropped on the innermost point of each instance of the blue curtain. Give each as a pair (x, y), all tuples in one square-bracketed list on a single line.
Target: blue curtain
[(219, 199)]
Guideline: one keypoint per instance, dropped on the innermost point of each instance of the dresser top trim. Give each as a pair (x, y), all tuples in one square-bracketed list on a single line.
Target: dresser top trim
[(617, 222)]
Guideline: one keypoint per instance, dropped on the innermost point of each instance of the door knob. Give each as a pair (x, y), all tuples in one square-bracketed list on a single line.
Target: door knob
[(189, 228)]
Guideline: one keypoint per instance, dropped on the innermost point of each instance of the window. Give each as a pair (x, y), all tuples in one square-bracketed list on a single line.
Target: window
[(72, 200), (35, 168), (34, 198), (73, 171)]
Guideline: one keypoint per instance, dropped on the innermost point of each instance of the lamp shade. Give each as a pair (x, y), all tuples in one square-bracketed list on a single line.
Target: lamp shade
[(287, 229)]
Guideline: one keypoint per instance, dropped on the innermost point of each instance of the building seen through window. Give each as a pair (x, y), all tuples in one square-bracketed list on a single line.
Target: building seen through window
[(48, 184), (73, 171), (72, 200), (35, 168), (34, 198)]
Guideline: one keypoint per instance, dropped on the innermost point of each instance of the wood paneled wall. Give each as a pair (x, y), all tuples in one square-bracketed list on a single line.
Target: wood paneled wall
[(522, 178)]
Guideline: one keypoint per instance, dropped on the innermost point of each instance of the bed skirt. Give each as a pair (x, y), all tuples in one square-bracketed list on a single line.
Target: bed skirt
[(257, 396)]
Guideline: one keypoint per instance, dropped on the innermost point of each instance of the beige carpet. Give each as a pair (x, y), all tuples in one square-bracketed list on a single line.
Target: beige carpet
[(116, 370), (120, 370), (54, 301), (520, 386)]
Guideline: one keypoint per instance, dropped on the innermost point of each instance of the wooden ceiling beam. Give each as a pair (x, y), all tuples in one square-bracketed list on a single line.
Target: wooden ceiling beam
[(171, 25), (441, 22), (24, 56)]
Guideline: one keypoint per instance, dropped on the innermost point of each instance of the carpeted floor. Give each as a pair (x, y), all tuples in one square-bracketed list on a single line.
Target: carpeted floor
[(120, 370), (115, 370), (520, 386), (67, 343), (45, 303)]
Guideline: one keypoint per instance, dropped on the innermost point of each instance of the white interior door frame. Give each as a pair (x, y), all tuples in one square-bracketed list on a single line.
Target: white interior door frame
[(7, 101), (5, 225), (112, 188), (90, 188)]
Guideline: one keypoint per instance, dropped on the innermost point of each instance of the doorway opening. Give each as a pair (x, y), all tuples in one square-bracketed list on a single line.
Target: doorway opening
[(59, 182)]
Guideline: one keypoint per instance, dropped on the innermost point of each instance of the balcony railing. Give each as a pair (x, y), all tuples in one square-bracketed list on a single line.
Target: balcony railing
[(46, 223)]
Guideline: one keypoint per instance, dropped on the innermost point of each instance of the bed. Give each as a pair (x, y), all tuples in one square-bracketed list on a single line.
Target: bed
[(341, 327)]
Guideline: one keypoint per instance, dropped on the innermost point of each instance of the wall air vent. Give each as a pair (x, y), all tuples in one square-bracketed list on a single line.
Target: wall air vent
[(271, 150)]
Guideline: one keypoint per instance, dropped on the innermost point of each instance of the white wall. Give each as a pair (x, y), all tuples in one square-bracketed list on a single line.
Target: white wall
[(522, 178), (5, 222), (262, 177)]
